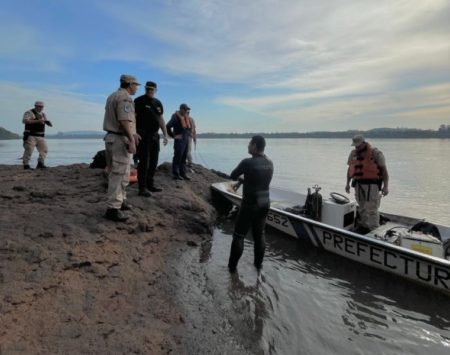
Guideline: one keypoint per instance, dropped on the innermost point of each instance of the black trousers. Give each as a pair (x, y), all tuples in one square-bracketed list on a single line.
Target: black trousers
[(148, 154), (254, 217), (180, 150)]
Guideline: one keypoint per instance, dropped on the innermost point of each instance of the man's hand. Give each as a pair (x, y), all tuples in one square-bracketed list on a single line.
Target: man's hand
[(132, 147), (48, 123), (384, 191), (347, 188), (236, 186), (165, 140), (137, 139)]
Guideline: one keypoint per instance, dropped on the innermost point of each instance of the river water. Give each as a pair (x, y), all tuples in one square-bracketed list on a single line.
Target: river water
[(307, 301)]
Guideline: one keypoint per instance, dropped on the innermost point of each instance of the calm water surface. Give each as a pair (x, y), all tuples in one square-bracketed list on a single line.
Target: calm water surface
[(306, 301)]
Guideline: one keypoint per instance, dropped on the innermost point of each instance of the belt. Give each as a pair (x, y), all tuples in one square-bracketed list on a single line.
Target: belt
[(116, 133), (34, 134), (368, 181)]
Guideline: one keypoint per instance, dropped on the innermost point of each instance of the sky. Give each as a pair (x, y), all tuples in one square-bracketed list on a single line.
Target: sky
[(242, 66)]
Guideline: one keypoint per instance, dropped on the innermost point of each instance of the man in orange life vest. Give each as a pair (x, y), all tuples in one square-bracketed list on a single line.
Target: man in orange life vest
[(368, 172), (179, 128)]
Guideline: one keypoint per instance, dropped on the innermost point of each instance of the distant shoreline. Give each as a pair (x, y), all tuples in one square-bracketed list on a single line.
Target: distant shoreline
[(385, 133)]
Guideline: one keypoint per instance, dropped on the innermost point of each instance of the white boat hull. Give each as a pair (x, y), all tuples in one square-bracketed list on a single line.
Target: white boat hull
[(425, 269)]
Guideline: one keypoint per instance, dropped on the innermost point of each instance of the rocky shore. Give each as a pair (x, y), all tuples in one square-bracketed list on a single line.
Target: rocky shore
[(72, 282)]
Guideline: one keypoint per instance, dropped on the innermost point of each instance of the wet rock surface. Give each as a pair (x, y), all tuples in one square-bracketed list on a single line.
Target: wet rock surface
[(72, 282)]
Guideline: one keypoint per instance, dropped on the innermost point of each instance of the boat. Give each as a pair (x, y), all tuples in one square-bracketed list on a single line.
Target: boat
[(411, 248)]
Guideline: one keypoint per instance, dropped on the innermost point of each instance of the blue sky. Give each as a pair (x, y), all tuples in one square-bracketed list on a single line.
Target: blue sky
[(242, 66)]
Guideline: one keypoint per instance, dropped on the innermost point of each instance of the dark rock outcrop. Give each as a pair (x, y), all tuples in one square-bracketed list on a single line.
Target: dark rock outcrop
[(74, 282)]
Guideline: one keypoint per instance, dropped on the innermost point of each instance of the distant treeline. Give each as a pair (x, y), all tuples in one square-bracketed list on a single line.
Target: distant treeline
[(442, 132)]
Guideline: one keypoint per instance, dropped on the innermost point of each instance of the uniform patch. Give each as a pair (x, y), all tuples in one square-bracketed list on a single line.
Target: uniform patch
[(127, 108)]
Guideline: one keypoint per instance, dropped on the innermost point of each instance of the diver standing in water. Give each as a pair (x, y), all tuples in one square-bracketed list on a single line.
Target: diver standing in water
[(258, 172)]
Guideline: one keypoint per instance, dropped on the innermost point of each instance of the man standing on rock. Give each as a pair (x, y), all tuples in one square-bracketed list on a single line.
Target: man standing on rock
[(121, 140), (33, 136), (179, 128), (149, 119), (258, 172)]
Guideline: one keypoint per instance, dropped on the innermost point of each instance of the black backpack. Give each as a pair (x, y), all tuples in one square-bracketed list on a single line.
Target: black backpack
[(99, 160)]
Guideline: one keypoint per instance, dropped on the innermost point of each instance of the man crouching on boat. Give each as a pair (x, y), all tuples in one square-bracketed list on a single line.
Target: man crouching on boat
[(367, 168), (258, 172)]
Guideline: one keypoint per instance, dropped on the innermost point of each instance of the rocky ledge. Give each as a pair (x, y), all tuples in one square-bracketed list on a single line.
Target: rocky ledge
[(72, 282)]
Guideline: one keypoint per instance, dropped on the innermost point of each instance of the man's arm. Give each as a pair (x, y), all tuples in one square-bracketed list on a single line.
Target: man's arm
[(381, 161), (28, 118), (238, 171), (347, 186), (194, 129), (169, 126), (126, 126), (162, 125), (385, 177)]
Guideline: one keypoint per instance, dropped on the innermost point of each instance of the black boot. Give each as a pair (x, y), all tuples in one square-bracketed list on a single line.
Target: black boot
[(144, 192), (26, 167), (40, 165), (154, 189), (125, 206), (115, 215)]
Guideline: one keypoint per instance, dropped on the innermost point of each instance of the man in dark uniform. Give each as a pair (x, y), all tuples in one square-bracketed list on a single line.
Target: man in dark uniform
[(149, 119), (258, 172)]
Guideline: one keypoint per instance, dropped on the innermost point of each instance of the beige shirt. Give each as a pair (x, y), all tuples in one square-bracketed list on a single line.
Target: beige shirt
[(119, 107), (30, 115)]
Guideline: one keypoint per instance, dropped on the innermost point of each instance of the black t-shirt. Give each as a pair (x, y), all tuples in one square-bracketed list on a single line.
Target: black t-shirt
[(258, 172), (148, 111)]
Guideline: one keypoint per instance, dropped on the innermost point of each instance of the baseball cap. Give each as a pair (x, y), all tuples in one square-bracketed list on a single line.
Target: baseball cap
[(129, 79), (150, 84), (39, 103), (357, 140), (184, 107)]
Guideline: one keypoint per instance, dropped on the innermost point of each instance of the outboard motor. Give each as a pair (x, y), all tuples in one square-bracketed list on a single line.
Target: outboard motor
[(313, 204)]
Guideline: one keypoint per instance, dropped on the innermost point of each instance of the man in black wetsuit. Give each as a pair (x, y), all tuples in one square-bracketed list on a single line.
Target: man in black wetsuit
[(258, 172), (149, 119)]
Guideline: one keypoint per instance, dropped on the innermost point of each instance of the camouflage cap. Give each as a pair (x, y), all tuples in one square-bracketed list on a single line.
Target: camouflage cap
[(357, 140), (129, 79)]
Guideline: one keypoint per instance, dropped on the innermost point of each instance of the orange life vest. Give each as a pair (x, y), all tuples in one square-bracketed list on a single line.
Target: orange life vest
[(185, 121), (363, 165), (133, 176)]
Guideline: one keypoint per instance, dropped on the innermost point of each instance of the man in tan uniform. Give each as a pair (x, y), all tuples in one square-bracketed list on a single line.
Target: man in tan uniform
[(33, 135), (121, 140), (369, 175)]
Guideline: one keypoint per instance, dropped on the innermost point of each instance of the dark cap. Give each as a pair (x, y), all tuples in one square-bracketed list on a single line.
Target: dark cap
[(150, 84), (184, 107)]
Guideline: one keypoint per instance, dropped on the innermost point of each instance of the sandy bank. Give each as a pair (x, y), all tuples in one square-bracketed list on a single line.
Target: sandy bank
[(72, 282)]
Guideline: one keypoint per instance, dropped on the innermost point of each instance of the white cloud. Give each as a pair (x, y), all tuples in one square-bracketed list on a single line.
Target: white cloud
[(336, 63)]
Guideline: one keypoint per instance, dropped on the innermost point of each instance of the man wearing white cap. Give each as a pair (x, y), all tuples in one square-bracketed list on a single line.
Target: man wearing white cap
[(121, 140), (33, 135), (368, 172)]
